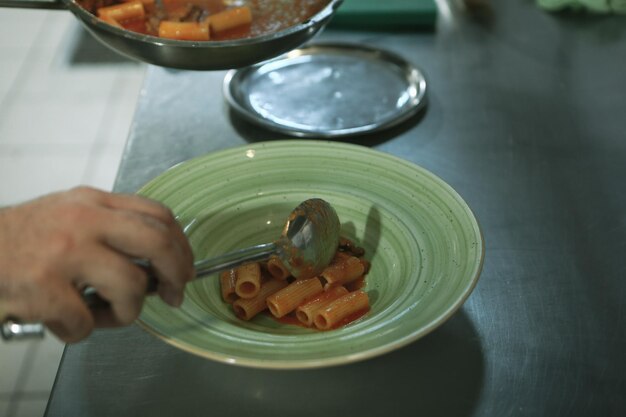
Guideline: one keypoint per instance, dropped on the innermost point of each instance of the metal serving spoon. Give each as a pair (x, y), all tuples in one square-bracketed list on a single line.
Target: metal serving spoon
[(306, 246)]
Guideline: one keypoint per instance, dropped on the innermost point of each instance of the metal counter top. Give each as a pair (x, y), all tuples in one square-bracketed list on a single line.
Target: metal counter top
[(527, 121)]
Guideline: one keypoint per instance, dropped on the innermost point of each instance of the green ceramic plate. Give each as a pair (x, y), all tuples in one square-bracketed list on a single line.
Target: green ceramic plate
[(422, 239)]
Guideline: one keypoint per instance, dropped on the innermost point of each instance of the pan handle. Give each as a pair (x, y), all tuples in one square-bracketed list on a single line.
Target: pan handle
[(33, 4)]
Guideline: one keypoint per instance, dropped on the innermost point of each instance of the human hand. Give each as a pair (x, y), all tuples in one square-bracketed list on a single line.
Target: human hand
[(54, 246)]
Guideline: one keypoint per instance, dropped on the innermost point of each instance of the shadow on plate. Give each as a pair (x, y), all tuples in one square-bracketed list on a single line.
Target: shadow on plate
[(371, 233)]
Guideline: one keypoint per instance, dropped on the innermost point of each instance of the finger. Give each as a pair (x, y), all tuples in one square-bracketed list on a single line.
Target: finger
[(105, 318), (154, 209), (139, 204), (65, 314), (116, 280), (54, 302), (142, 205), (145, 237)]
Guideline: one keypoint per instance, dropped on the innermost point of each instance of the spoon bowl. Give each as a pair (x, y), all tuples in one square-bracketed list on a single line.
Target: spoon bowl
[(306, 245), (309, 239)]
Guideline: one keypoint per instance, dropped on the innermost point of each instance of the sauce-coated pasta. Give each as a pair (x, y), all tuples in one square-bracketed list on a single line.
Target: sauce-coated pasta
[(333, 299)]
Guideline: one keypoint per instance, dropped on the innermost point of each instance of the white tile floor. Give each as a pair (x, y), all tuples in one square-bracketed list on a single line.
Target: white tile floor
[(66, 105)]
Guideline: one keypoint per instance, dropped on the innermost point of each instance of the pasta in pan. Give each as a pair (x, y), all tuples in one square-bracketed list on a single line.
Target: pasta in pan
[(333, 299), (203, 20)]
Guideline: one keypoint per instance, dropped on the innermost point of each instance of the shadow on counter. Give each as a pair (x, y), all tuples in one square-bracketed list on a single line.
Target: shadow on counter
[(252, 132), (87, 50), (441, 374)]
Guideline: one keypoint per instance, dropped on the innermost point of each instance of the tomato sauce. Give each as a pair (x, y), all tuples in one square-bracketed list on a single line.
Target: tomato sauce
[(357, 284), (339, 298)]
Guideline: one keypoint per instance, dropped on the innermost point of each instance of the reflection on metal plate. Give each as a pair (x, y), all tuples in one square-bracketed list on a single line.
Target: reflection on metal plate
[(328, 90)]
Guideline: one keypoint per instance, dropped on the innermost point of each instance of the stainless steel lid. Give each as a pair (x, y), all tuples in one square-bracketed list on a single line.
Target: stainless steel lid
[(328, 91)]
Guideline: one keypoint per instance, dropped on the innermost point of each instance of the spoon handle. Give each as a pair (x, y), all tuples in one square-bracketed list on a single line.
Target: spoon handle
[(14, 330), (234, 259), (203, 268)]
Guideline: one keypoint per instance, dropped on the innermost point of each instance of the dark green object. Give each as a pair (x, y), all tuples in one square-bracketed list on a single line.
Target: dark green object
[(386, 14)]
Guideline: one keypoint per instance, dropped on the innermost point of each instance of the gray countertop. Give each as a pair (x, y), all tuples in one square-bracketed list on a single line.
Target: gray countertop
[(526, 119)]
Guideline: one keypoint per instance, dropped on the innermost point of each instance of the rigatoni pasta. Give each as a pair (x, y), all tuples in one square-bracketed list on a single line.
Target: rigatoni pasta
[(306, 311), (248, 280), (343, 269), (325, 302), (276, 268), (185, 31), (228, 281), (247, 308), (123, 11), (341, 309), (289, 298), (230, 19)]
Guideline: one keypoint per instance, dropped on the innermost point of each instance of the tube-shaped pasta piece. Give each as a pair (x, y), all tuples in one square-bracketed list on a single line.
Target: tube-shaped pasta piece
[(247, 308), (228, 280), (306, 312), (341, 309), (186, 31), (108, 19), (248, 281), (146, 3), (290, 297), (277, 269), (123, 11), (366, 265), (342, 270), (231, 18)]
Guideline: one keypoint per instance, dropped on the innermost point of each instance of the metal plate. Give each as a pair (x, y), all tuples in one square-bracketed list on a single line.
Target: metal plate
[(328, 91)]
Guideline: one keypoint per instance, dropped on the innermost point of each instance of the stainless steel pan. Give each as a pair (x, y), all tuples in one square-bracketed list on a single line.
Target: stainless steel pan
[(210, 55)]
